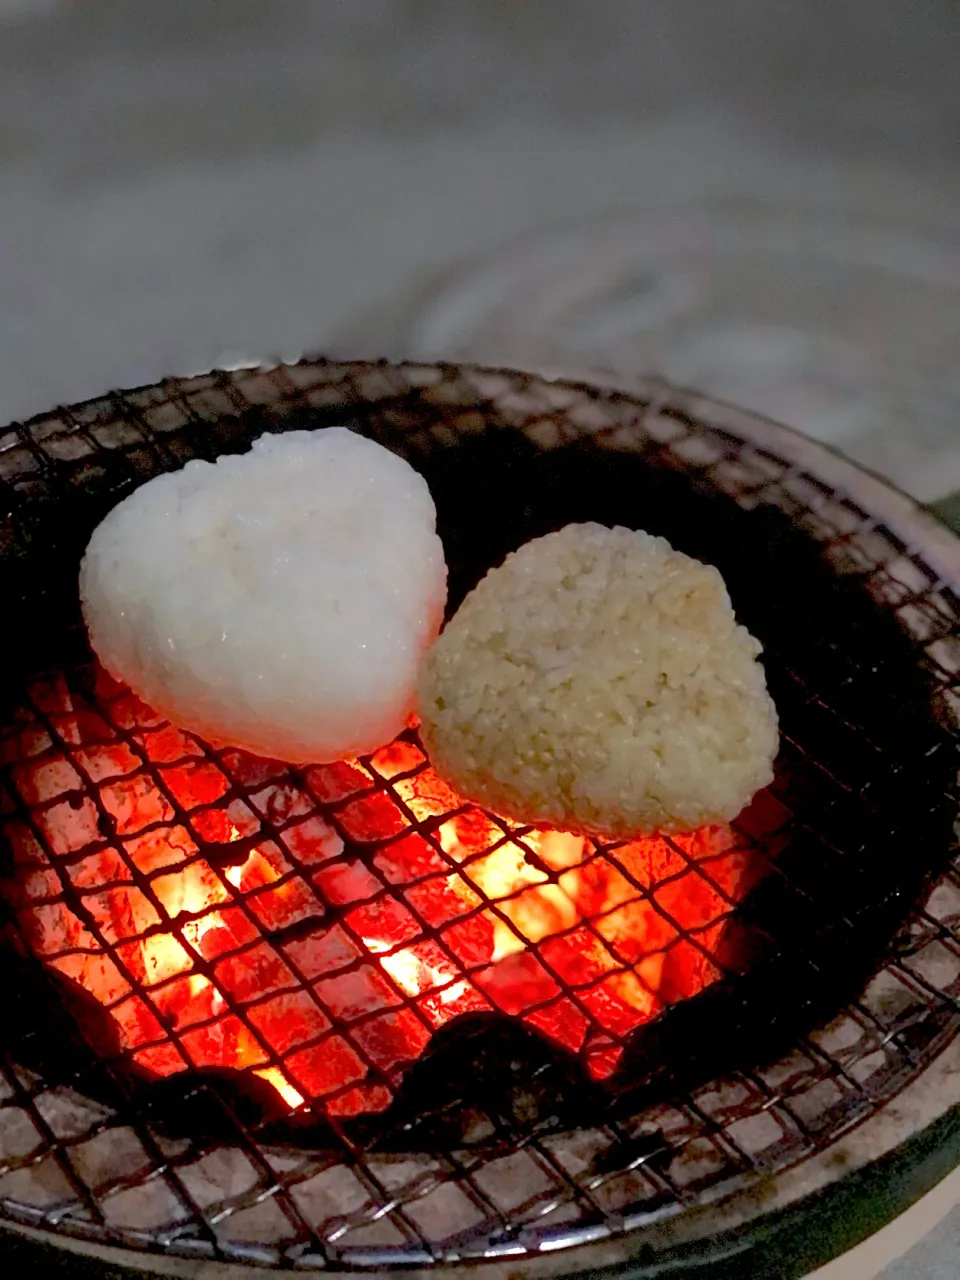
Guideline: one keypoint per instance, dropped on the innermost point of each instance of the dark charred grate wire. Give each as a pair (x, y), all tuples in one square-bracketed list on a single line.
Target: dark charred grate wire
[(482, 1135)]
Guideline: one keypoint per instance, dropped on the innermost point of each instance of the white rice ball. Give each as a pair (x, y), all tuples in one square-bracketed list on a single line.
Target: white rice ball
[(598, 681), (280, 601)]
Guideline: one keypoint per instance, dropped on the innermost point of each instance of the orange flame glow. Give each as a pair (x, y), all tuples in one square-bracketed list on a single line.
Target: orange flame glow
[(371, 908)]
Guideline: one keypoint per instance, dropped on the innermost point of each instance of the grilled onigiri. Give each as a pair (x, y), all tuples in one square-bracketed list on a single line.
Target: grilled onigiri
[(598, 681), (280, 601)]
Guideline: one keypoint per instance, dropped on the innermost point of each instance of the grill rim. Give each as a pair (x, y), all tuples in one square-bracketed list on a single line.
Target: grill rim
[(887, 1152), (878, 497), (826, 461)]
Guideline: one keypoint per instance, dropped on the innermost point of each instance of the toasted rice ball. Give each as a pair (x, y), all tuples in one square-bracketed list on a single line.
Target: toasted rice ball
[(280, 600), (597, 681)]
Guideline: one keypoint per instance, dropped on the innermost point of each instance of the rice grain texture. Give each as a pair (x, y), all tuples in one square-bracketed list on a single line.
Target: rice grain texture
[(598, 681), (281, 600)]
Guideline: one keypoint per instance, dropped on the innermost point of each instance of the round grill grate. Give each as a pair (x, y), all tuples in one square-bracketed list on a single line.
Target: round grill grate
[(818, 976)]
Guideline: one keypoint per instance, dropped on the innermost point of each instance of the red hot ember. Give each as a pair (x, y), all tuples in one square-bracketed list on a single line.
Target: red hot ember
[(363, 907)]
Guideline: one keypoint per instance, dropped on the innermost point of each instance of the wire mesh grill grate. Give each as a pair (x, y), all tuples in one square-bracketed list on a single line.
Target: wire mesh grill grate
[(107, 809)]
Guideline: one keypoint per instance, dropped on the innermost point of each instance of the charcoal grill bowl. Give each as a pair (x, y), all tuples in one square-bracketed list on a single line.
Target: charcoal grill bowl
[(64, 469)]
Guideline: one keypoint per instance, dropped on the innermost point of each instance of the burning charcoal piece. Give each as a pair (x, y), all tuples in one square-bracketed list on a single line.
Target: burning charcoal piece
[(482, 1076), (323, 970)]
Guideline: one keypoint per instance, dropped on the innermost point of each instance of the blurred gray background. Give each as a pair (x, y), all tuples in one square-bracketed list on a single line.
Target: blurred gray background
[(761, 199), (758, 199)]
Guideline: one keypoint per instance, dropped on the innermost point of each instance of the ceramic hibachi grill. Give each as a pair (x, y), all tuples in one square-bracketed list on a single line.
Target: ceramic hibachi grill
[(336, 1018)]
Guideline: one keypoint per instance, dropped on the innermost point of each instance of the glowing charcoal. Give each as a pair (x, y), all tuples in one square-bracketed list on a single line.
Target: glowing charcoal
[(325, 969)]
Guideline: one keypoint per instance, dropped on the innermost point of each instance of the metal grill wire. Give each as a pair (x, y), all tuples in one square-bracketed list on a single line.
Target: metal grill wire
[(83, 1154)]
